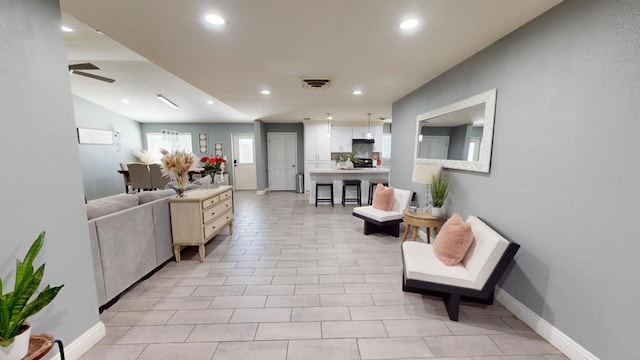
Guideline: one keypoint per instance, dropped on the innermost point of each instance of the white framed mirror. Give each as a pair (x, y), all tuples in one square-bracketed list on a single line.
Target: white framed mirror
[(458, 136)]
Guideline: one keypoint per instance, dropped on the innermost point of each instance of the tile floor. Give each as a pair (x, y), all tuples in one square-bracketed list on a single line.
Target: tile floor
[(298, 282)]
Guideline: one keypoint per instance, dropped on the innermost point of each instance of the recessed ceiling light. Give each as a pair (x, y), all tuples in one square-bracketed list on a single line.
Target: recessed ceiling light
[(125, 101), (357, 92), (265, 92), (409, 24), (65, 28), (215, 19), (210, 102)]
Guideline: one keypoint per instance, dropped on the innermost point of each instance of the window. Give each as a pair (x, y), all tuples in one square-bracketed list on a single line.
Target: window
[(245, 150), (157, 141), (474, 149), (386, 146)]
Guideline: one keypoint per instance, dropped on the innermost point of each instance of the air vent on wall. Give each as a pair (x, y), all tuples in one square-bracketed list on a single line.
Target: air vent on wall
[(316, 83)]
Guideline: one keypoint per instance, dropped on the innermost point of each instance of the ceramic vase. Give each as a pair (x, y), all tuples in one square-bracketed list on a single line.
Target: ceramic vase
[(19, 348), (436, 211)]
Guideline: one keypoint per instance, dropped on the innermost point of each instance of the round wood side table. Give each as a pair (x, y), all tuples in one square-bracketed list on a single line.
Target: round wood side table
[(418, 219)]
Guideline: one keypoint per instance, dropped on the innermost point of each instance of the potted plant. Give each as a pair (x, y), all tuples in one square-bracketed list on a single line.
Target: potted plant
[(15, 307), (439, 190)]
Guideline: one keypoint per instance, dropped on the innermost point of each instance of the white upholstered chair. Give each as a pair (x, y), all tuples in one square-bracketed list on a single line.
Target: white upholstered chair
[(380, 221)]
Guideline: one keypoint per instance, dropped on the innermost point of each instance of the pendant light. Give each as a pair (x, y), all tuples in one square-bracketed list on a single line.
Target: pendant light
[(329, 117), (369, 132)]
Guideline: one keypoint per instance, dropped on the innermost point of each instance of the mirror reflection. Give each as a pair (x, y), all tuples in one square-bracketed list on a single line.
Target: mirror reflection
[(459, 136)]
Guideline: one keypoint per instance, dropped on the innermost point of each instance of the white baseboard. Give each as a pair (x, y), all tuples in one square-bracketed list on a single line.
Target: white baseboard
[(81, 345), (557, 338)]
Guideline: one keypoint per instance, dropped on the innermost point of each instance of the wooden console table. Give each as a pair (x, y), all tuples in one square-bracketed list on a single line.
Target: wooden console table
[(199, 216)]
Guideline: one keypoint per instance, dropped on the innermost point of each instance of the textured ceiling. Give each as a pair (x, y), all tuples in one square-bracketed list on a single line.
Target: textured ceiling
[(273, 44)]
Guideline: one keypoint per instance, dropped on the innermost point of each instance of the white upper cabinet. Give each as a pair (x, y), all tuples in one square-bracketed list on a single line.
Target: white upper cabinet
[(341, 138), (360, 132), (377, 137), (317, 146)]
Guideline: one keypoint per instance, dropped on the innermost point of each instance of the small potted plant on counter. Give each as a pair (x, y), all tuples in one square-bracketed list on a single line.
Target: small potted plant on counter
[(439, 190), (15, 307)]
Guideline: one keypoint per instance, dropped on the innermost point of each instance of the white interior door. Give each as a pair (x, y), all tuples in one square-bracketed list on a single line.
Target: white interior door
[(244, 162), (283, 159)]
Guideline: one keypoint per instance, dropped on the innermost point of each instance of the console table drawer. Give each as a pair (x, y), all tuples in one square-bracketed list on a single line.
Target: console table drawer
[(215, 211), (213, 227), (210, 201), (226, 195)]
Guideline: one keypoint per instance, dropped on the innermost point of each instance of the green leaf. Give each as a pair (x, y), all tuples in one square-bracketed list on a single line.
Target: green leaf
[(15, 307)]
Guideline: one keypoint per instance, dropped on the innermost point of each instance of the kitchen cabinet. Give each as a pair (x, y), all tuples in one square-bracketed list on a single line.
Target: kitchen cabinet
[(360, 132), (377, 137), (317, 146), (313, 165), (341, 137), (317, 149)]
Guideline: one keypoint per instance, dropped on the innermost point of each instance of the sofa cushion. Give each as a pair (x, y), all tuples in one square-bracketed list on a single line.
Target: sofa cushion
[(485, 251), (377, 214), (421, 263), (149, 196), (187, 187), (401, 199), (383, 198), (453, 241), (110, 204), (203, 181)]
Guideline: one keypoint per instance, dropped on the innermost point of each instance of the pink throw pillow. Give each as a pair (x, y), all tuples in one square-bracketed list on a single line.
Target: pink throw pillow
[(453, 241), (383, 198)]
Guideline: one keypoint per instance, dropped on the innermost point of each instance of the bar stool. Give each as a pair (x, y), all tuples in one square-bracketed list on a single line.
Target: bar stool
[(330, 198), (372, 186), (355, 183)]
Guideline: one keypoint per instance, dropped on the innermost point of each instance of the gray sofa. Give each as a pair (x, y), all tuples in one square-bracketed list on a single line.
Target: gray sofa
[(130, 237)]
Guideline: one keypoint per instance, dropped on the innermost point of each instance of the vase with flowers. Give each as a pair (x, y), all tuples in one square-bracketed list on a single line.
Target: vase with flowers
[(213, 166), (176, 165)]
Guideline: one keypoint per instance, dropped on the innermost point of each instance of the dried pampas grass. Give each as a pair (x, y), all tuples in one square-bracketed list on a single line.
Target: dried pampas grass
[(176, 164), (144, 156)]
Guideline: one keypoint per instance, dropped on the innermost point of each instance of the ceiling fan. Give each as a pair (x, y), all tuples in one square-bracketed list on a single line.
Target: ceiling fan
[(74, 69)]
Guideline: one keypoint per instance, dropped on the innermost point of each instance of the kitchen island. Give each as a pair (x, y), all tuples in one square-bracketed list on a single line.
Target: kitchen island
[(335, 175)]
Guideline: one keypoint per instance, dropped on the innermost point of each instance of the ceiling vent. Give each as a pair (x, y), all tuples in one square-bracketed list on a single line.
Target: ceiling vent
[(316, 83)]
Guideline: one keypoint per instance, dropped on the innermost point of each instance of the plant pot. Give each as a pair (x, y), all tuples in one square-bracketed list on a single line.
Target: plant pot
[(436, 211), (19, 348), (349, 164)]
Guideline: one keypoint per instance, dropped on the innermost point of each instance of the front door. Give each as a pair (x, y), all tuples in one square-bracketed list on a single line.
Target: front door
[(282, 153), (244, 162)]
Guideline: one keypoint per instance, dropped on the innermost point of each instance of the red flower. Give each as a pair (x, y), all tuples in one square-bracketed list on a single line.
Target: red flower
[(204, 159)]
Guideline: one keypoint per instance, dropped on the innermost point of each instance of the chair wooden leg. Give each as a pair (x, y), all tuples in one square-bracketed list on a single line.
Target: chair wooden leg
[(452, 303)]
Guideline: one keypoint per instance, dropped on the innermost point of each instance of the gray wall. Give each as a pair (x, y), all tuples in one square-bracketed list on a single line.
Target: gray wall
[(216, 133), (261, 155), (99, 163), (565, 167), (41, 182)]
